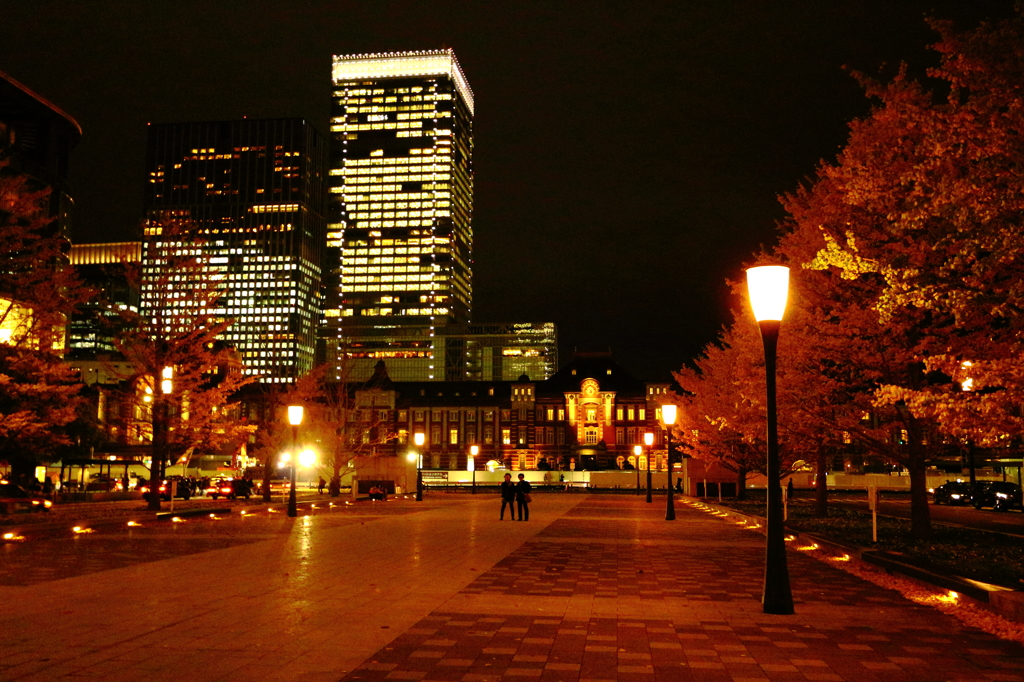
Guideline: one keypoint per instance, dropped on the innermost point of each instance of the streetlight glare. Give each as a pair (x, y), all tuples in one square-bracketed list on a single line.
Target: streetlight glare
[(411, 456), (295, 414), (768, 288), (668, 416), (284, 458), (307, 458)]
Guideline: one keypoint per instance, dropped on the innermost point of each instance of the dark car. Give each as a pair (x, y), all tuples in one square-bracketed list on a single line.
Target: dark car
[(230, 488), (1000, 495), (14, 498), (953, 492), (182, 491)]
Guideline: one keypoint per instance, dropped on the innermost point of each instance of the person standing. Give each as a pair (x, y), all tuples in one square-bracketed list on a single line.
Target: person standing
[(508, 497), (523, 499)]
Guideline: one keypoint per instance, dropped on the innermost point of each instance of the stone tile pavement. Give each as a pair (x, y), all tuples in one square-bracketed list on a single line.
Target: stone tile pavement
[(593, 587)]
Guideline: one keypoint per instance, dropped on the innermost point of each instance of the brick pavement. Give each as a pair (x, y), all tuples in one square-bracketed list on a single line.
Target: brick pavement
[(592, 588), (612, 591)]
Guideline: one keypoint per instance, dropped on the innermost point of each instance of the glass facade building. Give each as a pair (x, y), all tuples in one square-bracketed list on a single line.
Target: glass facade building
[(502, 352), (105, 268), (249, 196), (399, 234)]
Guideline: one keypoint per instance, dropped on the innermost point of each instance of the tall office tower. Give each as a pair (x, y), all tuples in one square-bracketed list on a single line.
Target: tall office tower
[(503, 352), (400, 234), (105, 268), (249, 196)]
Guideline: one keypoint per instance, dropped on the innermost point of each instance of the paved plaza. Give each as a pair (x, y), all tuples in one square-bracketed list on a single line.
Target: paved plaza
[(592, 587)]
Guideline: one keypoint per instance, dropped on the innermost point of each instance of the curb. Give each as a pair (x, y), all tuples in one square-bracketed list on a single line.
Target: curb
[(1006, 602)]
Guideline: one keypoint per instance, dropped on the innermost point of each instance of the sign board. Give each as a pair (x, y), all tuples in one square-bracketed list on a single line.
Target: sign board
[(435, 476), (872, 498)]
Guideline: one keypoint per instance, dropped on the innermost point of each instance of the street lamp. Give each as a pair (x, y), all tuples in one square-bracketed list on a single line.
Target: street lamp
[(768, 287), (649, 499), (294, 418), (419, 439), (637, 451), (160, 418), (474, 450), (668, 418)]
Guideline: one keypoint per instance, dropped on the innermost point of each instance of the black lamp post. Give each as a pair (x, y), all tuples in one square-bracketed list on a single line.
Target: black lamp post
[(649, 500), (161, 415), (768, 288), (419, 439), (668, 418), (294, 418), (474, 450), (637, 451)]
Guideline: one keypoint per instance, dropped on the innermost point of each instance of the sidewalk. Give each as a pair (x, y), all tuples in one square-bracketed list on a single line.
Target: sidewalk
[(591, 588)]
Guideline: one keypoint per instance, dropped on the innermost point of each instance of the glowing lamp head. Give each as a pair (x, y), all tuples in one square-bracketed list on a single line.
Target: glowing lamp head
[(166, 380), (295, 414), (648, 439), (474, 450), (638, 450), (419, 439), (768, 288), (668, 414)]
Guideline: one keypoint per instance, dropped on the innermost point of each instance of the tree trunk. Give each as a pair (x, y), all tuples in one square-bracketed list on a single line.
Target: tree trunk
[(266, 479), (741, 484), (821, 484), (920, 515), (334, 487)]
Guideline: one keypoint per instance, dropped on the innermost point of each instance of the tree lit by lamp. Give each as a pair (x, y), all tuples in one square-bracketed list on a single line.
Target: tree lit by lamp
[(768, 289)]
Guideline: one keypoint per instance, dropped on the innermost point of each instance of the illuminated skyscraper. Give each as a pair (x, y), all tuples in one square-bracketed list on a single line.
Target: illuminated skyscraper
[(400, 234), (250, 197)]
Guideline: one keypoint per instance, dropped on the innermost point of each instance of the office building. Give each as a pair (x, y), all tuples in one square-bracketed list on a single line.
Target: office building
[(106, 269), (400, 235), (249, 196), (501, 352), (36, 139)]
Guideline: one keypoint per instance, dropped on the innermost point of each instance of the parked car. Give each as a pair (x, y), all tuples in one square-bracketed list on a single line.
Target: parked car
[(182, 491), (14, 498), (1000, 495), (230, 488), (953, 492), (103, 483)]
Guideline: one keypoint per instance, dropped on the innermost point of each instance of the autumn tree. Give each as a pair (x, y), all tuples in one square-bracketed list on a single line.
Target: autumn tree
[(724, 395), (39, 394), (350, 419), (936, 169), (177, 335)]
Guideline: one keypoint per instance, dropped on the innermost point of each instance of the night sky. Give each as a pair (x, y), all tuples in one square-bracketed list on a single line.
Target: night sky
[(628, 156)]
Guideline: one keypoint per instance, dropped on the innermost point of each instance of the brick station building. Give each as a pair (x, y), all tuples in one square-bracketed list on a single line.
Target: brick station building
[(589, 415)]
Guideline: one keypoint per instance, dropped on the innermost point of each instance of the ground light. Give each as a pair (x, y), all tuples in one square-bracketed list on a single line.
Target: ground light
[(768, 288)]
